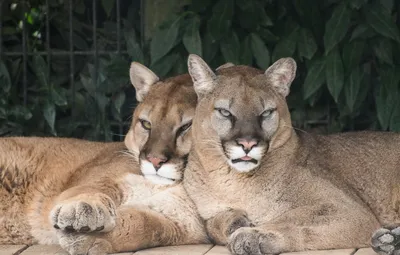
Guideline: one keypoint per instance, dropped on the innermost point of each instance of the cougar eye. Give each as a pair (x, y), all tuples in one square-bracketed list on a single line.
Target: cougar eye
[(184, 128), (145, 124), (224, 112), (268, 112)]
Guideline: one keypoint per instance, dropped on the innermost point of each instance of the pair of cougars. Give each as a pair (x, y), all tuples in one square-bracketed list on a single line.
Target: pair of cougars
[(258, 186)]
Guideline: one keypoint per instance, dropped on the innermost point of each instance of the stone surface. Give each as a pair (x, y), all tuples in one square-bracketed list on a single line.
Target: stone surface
[(218, 250), (177, 250), (203, 249), (323, 252), (11, 249), (44, 250), (365, 251)]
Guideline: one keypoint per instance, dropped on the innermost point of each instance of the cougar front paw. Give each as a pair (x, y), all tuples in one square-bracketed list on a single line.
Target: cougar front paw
[(251, 241), (386, 240), (238, 219), (84, 215), (78, 244)]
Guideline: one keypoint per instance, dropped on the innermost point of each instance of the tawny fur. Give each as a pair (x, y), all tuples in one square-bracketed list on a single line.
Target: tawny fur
[(308, 191), (92, 197)]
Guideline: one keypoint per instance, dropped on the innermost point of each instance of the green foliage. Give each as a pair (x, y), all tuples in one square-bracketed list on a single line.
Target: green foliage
[(346, 51)]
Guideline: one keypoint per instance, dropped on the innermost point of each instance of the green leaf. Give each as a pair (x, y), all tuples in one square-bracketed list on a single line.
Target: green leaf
[(5, 79), (118, 102), (306, 43), (108, 6), (336, 27), (246, 56), (315, 78), (387, 96), (87, 83), (383, 51), (102, 102), (379, 18), (199, 6), (230, 47), (79, 42), (265, 20), (253, 14), (286, 46), (356, 4), (351, 55), (210, 48), (21, 112), (133, 46), (362, 31), (221, 18), (191, 38), (352, 88), (388, 4), (260, 51), (164, 40), (395, 119), (49, 113), (385, 103), (165, 64), (58, 98), (267, 35), (40, 68), (334, 73), (310, 15)]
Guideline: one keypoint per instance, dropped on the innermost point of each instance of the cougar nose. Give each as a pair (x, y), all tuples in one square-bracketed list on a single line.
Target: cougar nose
[(247, 143), (157, 161)]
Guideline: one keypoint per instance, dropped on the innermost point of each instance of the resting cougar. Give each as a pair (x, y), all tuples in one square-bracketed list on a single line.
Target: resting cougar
[(263, 188), (93, 197)]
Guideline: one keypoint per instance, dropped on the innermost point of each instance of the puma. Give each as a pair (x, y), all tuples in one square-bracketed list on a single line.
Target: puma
[(264, 188), (97, 198)]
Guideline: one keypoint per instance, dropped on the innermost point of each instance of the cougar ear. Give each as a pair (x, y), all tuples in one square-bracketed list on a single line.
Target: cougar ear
[(202, 75), (281, 74), (141, 78), (226, 65)]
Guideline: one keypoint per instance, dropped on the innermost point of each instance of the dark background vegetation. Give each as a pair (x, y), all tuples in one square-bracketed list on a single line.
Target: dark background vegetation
[(347, 53)]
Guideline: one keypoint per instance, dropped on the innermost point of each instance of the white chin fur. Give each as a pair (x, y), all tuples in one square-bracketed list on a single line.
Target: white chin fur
[(159, 180), (236, 152), (164, 175), (243, 167)]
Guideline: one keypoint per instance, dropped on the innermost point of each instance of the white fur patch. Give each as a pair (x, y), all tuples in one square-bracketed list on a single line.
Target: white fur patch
[(164, 175), (169, 171), (236, 152), (147, 168), (43, 236), (158, 179)]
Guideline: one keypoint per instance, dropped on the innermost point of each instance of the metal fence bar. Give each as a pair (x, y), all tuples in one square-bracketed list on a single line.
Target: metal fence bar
[(118, 27), (71, 58), (49, 54), (25, 56), (1, 30), (48, 50), (95, 53), (121, 126), (66, 53)]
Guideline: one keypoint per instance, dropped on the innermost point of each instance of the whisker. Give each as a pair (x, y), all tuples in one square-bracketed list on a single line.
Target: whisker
[(296, 128), (131, 155), (116, 134)]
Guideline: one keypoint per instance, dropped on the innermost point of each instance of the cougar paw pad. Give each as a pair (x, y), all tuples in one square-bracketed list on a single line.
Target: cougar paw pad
[(386, 240), (83, 217)]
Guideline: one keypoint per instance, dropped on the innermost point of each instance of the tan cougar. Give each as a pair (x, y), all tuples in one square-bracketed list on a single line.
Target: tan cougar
[(95, 198), (263, 188)]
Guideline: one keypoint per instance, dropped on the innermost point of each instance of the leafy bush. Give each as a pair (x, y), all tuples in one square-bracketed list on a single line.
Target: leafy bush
[(346, 50)]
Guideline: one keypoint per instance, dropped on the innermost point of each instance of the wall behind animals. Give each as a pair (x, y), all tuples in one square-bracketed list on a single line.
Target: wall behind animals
[(64, 64)]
